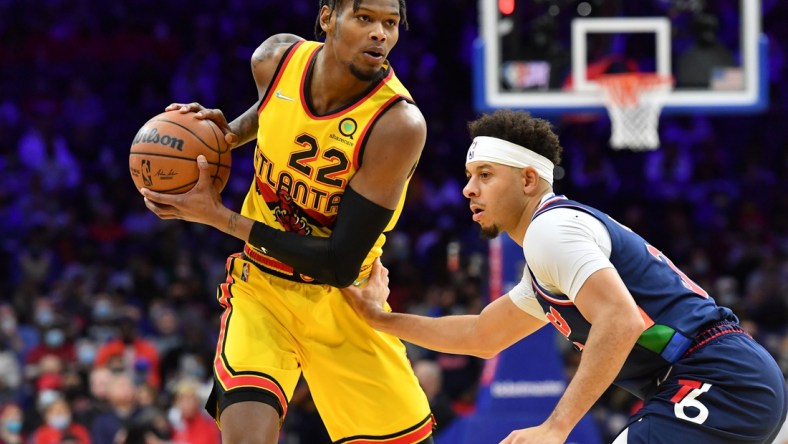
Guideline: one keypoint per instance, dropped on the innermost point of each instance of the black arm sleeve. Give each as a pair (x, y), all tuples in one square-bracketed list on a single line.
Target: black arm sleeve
[(334, 260)]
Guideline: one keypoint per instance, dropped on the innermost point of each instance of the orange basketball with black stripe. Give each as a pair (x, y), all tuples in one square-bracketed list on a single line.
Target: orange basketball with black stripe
[(164, 153)]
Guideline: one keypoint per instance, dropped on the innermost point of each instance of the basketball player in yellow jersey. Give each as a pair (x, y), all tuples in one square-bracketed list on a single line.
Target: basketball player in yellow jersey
[(338, 137)]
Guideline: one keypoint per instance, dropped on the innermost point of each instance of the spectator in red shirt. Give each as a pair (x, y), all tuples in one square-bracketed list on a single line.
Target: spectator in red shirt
[(58, 426), (190, 423), (139, 356), (56, 342)]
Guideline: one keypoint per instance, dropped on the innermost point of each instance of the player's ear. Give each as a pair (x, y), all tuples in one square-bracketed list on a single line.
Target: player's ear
[(325, 18), (530, 179)]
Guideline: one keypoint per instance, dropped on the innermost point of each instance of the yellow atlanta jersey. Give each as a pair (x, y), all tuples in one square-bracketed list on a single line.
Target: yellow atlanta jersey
[(303, 161)]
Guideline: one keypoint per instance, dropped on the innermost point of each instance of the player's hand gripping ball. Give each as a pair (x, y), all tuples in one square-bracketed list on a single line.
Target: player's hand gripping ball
[(164, 153)]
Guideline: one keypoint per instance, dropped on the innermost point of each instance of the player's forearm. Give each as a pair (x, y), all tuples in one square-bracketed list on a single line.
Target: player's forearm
[(604, 354), (448, 334), (334, 260), (245, 126), (232, 223)]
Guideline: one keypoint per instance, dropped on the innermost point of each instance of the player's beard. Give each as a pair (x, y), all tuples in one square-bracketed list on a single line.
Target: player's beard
[(490, 232), (366, 76)]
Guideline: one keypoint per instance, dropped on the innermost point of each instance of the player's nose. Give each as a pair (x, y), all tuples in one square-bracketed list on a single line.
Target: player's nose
[(469, 190), (377, 33)]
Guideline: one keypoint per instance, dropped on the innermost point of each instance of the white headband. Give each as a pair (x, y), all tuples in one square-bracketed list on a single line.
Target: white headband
[(504, 152)]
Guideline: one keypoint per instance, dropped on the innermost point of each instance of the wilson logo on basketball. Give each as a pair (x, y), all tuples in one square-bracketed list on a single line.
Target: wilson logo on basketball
[(151, 135), (164, 150)]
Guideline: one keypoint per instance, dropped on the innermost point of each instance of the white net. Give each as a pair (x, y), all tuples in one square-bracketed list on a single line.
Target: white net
[(634, 102)]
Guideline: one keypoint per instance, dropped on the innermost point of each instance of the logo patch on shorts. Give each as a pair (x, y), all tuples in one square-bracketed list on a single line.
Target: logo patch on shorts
[(245, 272)]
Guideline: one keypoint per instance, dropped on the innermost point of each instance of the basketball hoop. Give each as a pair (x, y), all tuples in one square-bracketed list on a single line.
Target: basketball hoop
[(634, 102)]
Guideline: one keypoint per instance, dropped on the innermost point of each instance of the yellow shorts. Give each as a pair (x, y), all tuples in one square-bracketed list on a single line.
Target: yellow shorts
[(272, 329)]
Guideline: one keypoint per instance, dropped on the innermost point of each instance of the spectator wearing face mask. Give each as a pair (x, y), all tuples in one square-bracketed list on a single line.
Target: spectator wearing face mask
[(54, 341), (58, 425), (11, 422), (44, 364), (102, 325), (43, 312)]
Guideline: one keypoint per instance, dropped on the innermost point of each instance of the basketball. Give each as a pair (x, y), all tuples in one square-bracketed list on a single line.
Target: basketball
[(164, 153)]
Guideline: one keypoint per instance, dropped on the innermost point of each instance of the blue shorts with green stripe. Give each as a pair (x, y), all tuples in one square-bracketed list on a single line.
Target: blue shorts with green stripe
[(725, 388)]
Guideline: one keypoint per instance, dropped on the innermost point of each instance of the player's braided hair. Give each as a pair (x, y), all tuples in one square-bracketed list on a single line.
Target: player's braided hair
[(333, 5), (521, 128)]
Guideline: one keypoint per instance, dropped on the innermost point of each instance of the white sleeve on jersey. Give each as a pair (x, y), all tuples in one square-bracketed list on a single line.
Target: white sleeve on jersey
[(524, 298), (563, 247)]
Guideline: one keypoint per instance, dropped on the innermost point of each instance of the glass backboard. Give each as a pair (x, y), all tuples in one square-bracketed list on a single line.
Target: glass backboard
[(544, 55)]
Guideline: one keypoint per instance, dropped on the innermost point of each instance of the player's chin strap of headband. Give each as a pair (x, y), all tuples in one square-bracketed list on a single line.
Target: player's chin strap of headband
[(501, 151)]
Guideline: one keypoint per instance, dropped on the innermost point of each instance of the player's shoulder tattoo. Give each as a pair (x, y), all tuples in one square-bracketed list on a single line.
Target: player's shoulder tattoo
[(269, 48)]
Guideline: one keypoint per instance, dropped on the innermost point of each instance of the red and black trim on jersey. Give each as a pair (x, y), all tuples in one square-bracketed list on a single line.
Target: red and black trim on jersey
[(247, 385), (272, 266), (412, 435), (280, 68), (362, 139), (306, 98), (306, 101)]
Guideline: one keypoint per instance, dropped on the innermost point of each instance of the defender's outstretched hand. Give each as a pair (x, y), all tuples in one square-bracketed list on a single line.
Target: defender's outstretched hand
[(541, 434), (369, 300), (201, 204), (215, 115)]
